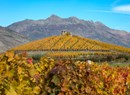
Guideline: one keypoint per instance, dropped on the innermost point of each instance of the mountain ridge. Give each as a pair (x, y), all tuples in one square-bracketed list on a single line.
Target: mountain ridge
[(53, 25)]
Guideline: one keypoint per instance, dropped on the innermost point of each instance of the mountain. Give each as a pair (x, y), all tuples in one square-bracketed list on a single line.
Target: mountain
[(68, 42), (53, 25), (10, 39)]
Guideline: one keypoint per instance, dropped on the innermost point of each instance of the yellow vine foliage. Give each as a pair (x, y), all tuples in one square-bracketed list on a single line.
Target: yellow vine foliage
[(19, 75), (70, 43), (24, 76)]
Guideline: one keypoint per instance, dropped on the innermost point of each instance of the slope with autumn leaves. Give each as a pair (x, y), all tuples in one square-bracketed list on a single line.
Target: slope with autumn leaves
[(69, 43)]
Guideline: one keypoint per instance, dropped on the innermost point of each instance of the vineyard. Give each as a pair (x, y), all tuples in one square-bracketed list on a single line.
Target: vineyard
[(75, 54), (21, 75), (70, 43), (50, 74), (94, 56)]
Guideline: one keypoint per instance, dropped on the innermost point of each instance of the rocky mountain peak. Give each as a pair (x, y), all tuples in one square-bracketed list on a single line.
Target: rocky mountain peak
[(53, 17), (74, 20)]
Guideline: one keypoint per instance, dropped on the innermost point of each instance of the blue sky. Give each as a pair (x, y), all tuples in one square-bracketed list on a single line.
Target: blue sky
[(113, 13)]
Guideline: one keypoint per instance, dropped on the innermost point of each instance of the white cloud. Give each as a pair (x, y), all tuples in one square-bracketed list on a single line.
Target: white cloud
[(109, 11), (123, 9)]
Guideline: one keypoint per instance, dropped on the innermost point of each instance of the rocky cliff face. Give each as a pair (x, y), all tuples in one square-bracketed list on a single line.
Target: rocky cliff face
[(53, 25), (9, 39)]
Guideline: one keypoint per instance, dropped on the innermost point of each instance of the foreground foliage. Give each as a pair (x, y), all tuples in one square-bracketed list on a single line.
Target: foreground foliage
[(19, 75)]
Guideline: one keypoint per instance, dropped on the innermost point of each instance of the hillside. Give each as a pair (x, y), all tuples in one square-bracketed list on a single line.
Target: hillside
[(53, 25), (69, 43), (10, 39)]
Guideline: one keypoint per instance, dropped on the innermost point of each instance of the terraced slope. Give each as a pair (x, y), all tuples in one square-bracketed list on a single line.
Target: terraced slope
[(69, 43)]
